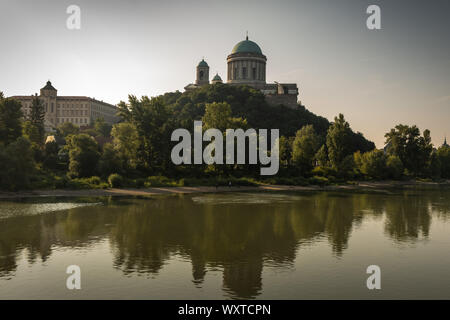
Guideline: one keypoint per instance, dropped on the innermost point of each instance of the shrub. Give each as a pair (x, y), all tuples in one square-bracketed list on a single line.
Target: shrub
[(140, 183), (115, 180), (61, 182), (159, 181), (94, 180), (320, 181), (323, 171), (292, 181)]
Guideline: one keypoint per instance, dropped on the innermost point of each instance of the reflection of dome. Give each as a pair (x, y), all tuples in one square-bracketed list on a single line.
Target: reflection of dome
[(202, 63), (246, 46)]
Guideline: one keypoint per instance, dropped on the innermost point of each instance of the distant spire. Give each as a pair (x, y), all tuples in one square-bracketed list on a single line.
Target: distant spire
[(246, 38)]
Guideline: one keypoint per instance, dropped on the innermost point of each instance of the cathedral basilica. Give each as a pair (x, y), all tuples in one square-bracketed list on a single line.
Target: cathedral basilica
[(247, 66)]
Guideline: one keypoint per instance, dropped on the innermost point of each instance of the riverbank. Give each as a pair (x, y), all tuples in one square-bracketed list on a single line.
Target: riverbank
[(374, 186)]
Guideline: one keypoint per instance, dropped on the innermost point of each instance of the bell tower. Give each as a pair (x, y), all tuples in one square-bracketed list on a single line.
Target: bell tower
[(202, 73), (48, 97)]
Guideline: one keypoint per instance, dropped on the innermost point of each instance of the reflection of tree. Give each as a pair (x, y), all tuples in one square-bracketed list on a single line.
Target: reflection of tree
[(237, 238), (36, 234), (408, 217)]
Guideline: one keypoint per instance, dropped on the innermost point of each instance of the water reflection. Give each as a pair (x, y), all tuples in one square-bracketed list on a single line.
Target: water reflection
[(238, 234)]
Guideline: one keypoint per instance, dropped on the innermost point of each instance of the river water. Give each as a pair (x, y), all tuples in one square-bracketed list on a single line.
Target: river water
[(265, 245)]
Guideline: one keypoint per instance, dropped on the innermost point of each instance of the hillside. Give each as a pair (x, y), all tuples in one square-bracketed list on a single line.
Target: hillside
[(250, 104)]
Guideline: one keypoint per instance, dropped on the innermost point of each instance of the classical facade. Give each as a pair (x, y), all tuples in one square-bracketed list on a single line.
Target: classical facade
[(79, 110), (246, 65)]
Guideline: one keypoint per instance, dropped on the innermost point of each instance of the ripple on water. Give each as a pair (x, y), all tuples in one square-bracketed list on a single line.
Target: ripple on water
[(245, 198), (11, 209)]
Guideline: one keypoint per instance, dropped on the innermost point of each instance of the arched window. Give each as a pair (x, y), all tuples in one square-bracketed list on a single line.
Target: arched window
[(201, 75)]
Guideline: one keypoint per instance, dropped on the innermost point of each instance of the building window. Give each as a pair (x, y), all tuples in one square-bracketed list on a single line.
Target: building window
[(244, 73), (51, 108), (201, 75), (254, 73)]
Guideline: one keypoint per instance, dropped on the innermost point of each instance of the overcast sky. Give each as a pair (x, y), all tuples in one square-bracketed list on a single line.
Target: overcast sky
[(376, 78)]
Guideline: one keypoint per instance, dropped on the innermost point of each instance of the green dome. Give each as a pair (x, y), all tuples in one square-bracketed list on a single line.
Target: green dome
[(202, 64), (246, 46), (217, 78)]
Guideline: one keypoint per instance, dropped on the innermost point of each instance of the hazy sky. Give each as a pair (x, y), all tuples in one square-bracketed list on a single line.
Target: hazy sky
[(376, 78)]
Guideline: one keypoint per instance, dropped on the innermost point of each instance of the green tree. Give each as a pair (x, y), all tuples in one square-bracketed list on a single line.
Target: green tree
[(154, 123), (372, 163), (109, 161), (304, 148), (321, 156), (443, 154), (413, 149), (67, 128), (217, 115), (126, 144), (434, 166), (83, 155), (34, 127), (103, 128), (51, 155), (394, 167), (338, 141), (285, 150), (10, 120), (16, 164), (124, 109)]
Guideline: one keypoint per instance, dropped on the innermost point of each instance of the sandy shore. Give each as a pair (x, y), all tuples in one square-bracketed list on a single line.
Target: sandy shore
[(382, 186)]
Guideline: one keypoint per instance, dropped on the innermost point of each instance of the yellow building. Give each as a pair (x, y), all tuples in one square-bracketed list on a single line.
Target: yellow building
[(79, 110)]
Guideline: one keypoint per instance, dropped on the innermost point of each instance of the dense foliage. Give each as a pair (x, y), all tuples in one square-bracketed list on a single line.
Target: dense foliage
[(137, 151)]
